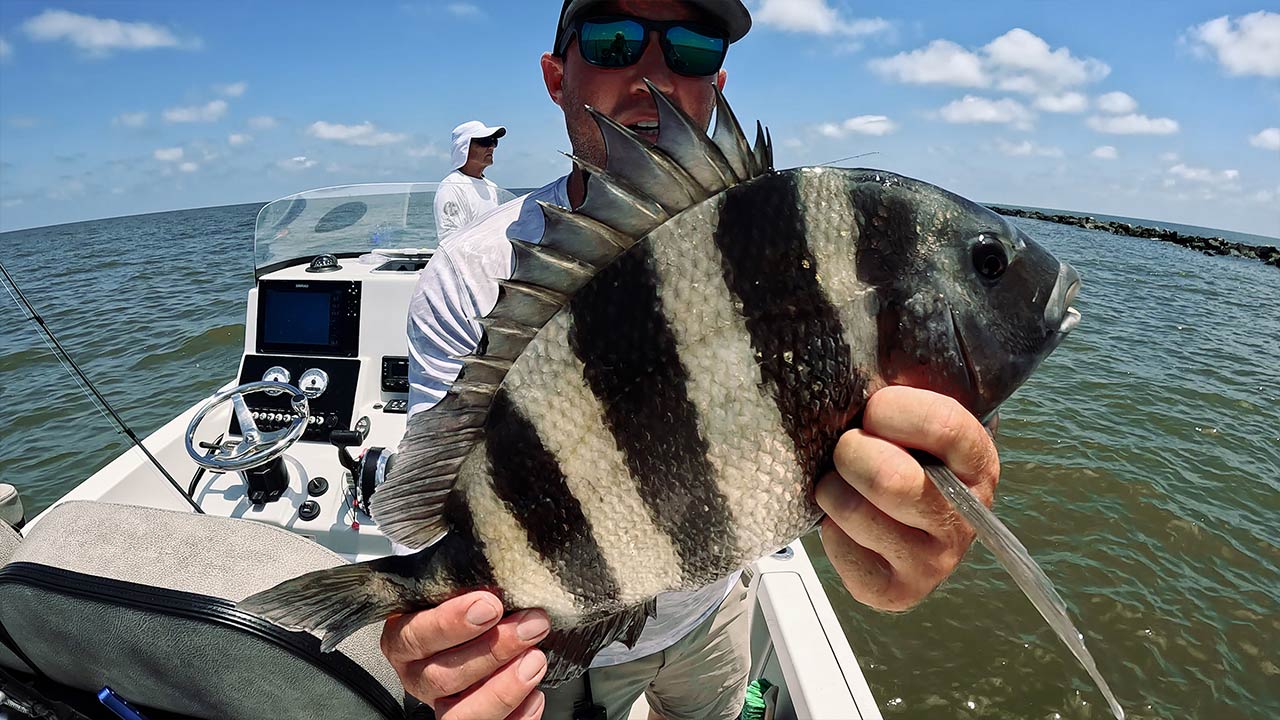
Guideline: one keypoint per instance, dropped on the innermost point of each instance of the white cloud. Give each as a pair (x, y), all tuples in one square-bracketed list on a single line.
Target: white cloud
[(861, 125), (815, 16), (366, 134), (1017, 61), (235, 139), (426, 151), (131, 120), (973, 109), (1203, 175), (464, 10), (6, 50), (300, 162), (941, 62), (1133, 124), (1070, 102), (1027, 64), (1169, 157), (1117, 103), (1265, 197), (1247, 46), (98, 36), (1104, 152), (1268, 139), (209, 112), (262, 122), (232, 89), (1026, 148), (24, 122), (188, 167), (173, 154)]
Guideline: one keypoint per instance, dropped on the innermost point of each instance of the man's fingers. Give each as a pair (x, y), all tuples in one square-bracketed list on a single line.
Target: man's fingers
[(416, 636), (502, 695), (891, 480), (902, 546), (456, 669), (938, 425)]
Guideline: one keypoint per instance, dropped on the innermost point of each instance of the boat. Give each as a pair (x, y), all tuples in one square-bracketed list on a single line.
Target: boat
[(122, 593)]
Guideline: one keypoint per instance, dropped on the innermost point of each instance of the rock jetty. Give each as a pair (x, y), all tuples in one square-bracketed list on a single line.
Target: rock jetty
[(1207, 245)]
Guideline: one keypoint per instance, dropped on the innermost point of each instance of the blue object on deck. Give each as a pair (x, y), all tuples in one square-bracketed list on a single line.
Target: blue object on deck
[(118, 705)]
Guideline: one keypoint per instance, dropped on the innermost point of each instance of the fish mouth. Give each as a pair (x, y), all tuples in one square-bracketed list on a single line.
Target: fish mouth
[(970, 371), (1059, 316)]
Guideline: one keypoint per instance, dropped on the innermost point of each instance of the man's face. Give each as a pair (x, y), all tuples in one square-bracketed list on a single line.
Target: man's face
[(481, 152), (621, 93)]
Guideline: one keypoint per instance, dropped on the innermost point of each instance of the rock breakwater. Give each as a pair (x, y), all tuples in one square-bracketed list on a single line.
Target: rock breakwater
[(1207, 245)]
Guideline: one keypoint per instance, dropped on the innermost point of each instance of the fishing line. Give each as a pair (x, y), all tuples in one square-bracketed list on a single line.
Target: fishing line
[(851, 157), (69, 364)]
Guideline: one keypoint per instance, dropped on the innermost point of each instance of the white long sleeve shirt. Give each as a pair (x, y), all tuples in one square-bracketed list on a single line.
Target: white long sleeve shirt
[(461, 199)]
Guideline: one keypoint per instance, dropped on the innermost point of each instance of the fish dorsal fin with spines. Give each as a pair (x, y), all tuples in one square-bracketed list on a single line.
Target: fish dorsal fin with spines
[(641, 187)]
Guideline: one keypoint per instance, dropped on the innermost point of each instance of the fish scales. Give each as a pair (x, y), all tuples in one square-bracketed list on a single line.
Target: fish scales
[(548, 385), (528, 479), (632, 363), (667, 382), (738, 411)]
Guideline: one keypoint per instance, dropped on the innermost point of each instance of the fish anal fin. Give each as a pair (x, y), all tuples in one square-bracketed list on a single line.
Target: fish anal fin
[(570, 651)]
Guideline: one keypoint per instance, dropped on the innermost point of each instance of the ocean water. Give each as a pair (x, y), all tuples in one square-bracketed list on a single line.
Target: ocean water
[(1141, 464)]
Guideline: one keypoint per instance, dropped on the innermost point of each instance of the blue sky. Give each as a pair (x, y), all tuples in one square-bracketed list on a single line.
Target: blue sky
[(1163, 110)]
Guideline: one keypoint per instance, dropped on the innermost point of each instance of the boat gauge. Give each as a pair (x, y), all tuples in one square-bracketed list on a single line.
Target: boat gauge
[(313, 383), (276, 374)]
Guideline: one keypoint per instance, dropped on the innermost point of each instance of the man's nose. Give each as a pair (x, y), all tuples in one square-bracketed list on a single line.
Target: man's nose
[(653, 66)]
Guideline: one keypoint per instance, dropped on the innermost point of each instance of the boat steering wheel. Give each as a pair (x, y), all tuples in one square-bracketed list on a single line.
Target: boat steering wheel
[(257, 447)]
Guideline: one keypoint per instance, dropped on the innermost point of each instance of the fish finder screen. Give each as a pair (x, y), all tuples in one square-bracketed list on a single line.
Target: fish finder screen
[(296, 318), (309, 317)]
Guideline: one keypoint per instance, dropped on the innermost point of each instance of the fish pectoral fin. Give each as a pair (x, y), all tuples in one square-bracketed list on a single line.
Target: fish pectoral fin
[(571, 650)]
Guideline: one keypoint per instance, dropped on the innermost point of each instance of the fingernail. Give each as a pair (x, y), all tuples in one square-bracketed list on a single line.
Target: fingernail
[(531, 664), (481, 612), (532, 626)]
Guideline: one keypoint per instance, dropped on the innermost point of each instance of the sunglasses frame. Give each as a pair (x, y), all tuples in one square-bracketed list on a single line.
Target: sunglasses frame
[(662, 27), (491, 141)]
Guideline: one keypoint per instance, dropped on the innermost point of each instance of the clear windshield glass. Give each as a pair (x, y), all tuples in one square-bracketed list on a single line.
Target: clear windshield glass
[(392, 219)]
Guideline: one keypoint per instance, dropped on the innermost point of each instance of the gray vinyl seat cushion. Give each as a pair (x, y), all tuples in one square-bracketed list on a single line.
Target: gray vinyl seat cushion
[(9, 539), (141, 599)]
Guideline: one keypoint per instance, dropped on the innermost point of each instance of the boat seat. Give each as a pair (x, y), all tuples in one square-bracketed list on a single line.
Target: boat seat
[(9, 539), (142, 599)]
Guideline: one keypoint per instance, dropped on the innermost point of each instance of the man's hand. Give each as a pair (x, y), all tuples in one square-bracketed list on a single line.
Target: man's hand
[(467, 661), (890, 534)]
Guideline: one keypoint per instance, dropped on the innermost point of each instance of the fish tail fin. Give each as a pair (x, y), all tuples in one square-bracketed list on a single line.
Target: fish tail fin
[(336, 602)]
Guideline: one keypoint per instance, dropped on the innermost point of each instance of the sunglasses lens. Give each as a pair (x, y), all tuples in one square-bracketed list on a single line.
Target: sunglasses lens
[(615, 43), (694, 53)]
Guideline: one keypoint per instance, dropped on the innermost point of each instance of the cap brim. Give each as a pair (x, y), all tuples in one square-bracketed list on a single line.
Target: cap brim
[(732, 14)]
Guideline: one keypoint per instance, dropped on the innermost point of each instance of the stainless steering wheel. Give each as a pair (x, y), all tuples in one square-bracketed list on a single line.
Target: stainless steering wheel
[(256, 447)]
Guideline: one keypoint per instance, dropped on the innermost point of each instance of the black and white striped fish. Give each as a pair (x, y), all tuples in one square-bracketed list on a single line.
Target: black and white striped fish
[(665, 376)]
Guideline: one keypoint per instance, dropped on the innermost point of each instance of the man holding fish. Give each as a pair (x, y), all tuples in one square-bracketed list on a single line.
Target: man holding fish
[(889, 534)]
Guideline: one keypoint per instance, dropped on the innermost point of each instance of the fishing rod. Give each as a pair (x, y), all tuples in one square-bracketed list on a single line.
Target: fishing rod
[(83, 381)]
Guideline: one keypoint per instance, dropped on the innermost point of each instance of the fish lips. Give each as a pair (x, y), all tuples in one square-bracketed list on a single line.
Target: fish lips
[(1060, 317)]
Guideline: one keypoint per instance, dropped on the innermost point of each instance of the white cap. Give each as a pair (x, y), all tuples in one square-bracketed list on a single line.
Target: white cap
[(465, 133)]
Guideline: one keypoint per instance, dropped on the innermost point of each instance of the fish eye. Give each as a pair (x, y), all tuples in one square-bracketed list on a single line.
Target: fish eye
[(989, 257)]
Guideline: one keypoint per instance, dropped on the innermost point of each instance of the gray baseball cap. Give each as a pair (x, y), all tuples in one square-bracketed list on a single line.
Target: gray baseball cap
[(732, 14)]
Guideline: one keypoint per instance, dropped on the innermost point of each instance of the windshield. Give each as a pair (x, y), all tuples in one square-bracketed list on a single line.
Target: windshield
[(393, 219)]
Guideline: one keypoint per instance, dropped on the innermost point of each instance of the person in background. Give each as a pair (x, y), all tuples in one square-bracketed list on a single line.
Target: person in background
[(465, 194), (889, 535)]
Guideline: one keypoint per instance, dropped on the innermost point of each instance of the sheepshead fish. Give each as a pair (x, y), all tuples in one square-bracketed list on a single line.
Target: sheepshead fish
[(665, 376)]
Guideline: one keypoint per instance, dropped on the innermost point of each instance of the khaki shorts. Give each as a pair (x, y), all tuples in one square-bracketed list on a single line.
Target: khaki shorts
[(702, 677)]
